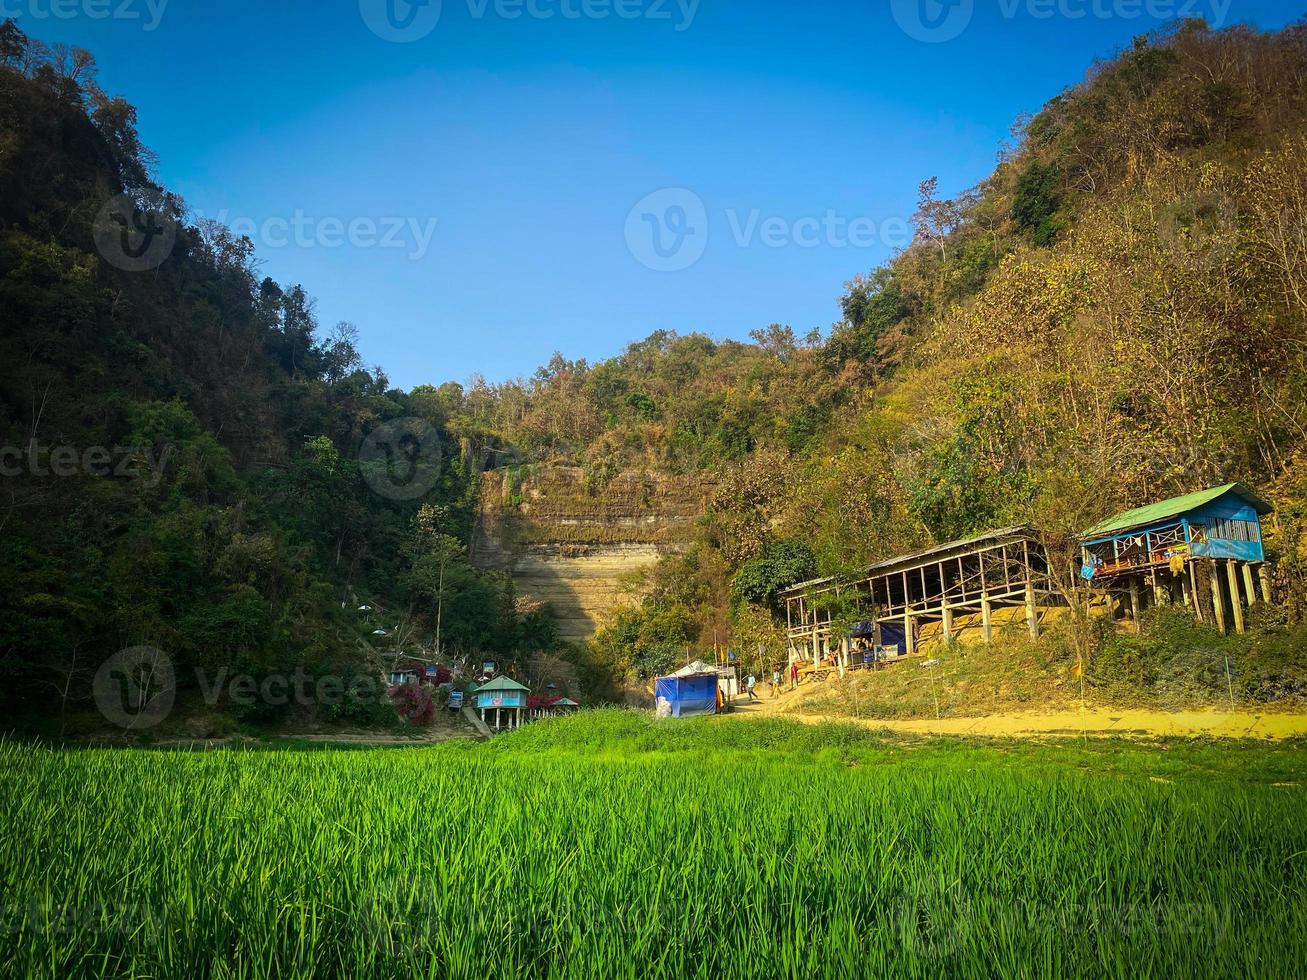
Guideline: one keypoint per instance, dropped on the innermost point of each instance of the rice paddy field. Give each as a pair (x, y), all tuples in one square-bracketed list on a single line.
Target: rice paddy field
[(609, 844)]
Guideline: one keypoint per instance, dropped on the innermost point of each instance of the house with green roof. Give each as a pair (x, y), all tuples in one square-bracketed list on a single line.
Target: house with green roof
[(501, 700), (1202, 549)]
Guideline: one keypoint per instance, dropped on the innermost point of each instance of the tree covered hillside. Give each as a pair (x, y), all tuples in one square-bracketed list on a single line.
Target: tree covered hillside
[(1116, 314), (186, 455)]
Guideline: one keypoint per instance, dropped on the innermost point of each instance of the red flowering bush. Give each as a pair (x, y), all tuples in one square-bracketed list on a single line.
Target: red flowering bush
[(414, 703)]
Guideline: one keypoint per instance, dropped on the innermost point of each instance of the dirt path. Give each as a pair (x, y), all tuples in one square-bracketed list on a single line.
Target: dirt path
[(1090, 721)]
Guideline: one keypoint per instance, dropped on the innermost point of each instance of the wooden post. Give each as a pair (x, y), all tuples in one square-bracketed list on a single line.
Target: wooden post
[(1184, 591), (1134, 603), (987, 619), (909, 643), (1032, 614), (948, 624), (1264, 574), (1249, 589), (1218, 601), (1194, 591), (1235, 602)]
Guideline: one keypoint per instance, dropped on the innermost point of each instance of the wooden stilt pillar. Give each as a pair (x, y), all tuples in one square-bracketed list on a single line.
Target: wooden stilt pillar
[(1032, 614), (1160, 595), (987, 620), (1185, 597), (1218, 601), (1195, 592), (909, 641), (1264, 574), (1134, 603), (948, 624), (1236, 603), (1250, 590)]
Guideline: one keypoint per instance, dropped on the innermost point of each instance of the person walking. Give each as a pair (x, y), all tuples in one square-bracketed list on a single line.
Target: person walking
[(794, 675), (775, 683), (749, 685)]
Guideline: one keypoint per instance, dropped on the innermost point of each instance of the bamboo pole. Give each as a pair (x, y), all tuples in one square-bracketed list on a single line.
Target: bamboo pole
[(1194, 591), (1218, 601), (1235, 602), (1032, 614)]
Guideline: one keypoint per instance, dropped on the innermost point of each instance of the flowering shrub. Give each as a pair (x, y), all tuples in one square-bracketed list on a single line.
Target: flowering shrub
[(414, 703)]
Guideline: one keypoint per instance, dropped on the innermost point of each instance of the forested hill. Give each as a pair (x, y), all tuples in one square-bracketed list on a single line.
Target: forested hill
[(185, 463), (1117, 313)]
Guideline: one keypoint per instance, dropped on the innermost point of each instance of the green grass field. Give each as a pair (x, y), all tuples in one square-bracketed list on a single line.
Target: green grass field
[(612, 845)]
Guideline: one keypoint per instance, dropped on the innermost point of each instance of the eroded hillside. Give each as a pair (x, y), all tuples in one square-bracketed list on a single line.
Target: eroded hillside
[(578, 546)]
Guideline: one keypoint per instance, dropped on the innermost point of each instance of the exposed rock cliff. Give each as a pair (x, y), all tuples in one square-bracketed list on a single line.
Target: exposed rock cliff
[(577, 545)]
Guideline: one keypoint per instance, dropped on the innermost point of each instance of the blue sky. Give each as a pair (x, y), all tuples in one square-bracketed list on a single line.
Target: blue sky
[(487, 166)]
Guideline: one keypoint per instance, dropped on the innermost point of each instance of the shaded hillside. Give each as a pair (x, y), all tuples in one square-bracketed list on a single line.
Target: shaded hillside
[(188, 463)]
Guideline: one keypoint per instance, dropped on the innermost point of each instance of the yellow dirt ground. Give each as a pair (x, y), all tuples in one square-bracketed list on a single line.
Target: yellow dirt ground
[(1091, 720), (1095, 721)]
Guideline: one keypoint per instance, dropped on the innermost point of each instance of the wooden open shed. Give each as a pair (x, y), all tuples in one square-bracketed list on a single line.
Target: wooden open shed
[(973, 579)]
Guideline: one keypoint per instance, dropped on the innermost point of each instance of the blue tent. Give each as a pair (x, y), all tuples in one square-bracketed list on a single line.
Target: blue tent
[(895, 635), (693, 694)]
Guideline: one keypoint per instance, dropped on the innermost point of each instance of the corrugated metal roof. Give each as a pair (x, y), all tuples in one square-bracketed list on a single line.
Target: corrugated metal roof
[(1173, 507), (1000, 532), (501, 684)]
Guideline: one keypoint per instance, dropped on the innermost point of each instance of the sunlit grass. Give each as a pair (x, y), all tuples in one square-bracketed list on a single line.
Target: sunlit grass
[(608, 844)]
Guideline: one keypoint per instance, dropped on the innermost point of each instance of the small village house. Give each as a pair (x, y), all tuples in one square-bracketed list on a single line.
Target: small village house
[(504, 700), (1202, 549)]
